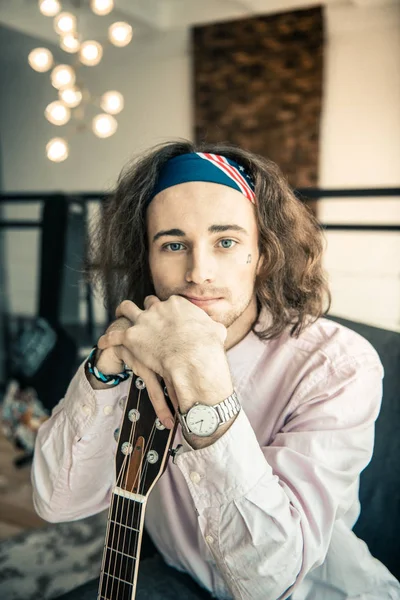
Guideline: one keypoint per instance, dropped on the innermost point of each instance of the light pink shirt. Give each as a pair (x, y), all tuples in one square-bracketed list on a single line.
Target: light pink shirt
[(266, 511)]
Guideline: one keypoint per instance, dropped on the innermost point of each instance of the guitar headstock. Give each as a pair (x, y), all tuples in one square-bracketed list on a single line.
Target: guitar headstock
[(144, 443)]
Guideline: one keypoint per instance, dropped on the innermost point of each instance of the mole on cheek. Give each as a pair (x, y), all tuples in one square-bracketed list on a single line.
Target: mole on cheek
[(248, 259)]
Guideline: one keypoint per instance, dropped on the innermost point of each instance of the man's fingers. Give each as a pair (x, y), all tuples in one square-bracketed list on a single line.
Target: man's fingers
[(172, 394), (122, 323), (112, 338), (149, 301), (153, 386), (157, 397), (128, 309), (127, 357)]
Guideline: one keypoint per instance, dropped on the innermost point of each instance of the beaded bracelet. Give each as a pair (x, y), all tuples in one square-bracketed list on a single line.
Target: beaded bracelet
[(112, 379)]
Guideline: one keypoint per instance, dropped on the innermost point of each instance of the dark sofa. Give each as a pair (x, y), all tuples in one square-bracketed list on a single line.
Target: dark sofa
[(379, 522)]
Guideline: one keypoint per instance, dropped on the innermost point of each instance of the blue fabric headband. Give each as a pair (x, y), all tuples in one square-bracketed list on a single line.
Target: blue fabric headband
[(200, 166)]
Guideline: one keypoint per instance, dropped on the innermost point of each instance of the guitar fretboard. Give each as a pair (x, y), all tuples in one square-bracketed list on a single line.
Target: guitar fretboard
[(122, 547)]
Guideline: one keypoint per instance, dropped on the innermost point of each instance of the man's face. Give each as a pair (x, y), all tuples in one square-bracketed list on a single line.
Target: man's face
[(193, 260)]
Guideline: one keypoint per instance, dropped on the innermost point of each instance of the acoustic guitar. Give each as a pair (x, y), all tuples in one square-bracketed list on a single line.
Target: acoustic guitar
[(143, 449)]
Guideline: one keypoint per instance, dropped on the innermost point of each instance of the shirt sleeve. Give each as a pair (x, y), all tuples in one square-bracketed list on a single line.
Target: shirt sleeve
[(73, 467), (267, 512)]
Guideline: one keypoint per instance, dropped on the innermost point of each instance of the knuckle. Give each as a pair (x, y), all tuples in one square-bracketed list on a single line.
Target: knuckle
[(174, 299), (125, 305), (129, 334), (123, 323)]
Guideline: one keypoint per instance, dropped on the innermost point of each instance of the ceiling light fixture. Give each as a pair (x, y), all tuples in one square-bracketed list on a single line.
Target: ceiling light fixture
[(74, 99)]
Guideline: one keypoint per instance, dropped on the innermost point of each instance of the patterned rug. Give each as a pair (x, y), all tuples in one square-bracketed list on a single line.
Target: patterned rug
[(45, 563)]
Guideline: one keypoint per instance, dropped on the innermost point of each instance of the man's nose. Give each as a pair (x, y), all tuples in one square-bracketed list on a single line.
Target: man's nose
[(201, 266)]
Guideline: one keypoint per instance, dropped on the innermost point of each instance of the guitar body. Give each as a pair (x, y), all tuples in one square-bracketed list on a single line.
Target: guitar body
[(143, 449)]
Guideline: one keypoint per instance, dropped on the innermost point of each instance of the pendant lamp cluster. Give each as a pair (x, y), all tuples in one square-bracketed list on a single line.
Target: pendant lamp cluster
[(73, 97)]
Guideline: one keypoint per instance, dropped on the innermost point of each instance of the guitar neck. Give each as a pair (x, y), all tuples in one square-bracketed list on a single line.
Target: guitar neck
[(141, 457), (119, 570)]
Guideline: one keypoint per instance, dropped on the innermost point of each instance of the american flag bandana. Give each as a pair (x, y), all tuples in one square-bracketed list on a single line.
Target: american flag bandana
[(203, 166)]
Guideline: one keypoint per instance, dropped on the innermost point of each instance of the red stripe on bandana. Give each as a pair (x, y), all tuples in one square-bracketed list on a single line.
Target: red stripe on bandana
[(221, 163), (238, 176)]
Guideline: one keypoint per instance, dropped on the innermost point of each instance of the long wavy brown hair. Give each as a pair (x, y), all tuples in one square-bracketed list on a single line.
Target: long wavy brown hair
[(291, 283)]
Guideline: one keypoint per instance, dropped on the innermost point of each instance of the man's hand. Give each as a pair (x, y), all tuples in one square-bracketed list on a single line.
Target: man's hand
[(179, 342), (110, 361), (165, 334)]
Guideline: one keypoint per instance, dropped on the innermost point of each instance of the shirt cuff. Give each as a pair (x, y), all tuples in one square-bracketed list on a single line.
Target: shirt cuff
[(227, 469), (89, 410)]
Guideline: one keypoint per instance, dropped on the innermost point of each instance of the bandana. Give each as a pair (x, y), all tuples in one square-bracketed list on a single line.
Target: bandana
[(200, 166)]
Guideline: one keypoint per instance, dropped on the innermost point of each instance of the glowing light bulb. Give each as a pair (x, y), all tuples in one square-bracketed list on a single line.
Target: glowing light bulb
[(57, 113), (62, 76), (57, 150), (101, 7), (49, 8), (71, 96), (65, 23), (120, 34), (112, 102), (104, 125), (40, 59), (70, 43), (90, 53)]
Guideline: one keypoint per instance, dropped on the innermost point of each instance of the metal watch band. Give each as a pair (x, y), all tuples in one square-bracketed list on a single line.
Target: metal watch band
[(228, 408)]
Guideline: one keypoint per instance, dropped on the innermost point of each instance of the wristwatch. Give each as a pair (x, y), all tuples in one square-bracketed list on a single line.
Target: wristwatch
[(203, 420)]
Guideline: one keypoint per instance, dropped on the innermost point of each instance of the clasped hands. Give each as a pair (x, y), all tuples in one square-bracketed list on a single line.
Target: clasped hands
[(165, 340)]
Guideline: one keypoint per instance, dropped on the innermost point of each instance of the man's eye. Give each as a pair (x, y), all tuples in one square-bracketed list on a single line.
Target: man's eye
[(171, 244), (228, 240)]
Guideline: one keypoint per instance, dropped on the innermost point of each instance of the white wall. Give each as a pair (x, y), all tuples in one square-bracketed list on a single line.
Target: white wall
[(360, 147)]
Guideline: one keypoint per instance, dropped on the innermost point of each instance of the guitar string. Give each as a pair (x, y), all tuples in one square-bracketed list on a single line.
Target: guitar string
[(135, 534), (122, 475), (119, 478), (125, 500), (112, 504), (102, 571), (136, 483)]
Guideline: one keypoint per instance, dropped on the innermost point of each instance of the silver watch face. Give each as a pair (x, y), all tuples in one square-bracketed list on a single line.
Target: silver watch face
[(202, 420)]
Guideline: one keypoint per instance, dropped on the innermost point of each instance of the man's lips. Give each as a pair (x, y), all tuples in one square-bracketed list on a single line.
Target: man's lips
[(201, 298), (201, 301)]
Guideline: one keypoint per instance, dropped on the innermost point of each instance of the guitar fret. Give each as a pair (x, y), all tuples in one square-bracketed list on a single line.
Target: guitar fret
[(119, 552), (115, 577), (123, 525), (114, 588), (126, 512), (122, 538)]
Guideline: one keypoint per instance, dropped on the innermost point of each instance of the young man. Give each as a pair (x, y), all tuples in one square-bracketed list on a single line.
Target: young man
[(259, 505)]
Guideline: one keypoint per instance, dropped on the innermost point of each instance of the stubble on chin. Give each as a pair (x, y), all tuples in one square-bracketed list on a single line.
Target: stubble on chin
[(227, 317)]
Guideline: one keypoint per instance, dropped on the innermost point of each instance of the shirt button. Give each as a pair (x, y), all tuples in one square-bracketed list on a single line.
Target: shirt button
[(122, 402), (195, 477), (107, 410), (86, 409), (209, 539), (116, 434)]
